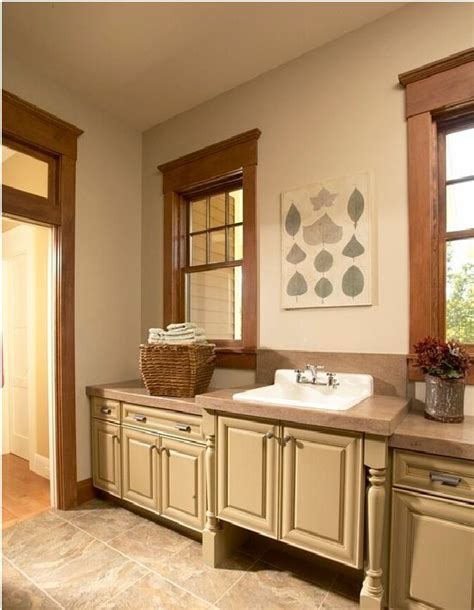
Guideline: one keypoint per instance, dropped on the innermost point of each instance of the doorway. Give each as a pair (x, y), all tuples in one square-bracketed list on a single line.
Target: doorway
[(26, 392)]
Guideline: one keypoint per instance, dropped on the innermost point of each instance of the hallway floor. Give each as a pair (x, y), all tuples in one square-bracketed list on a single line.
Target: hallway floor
[(24, 493), (103, 556)]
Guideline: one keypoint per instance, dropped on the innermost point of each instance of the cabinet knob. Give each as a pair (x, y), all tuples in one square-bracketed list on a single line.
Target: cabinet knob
[(269, 434), (105, 411), (140, 418), (286, 439), (183, 427)]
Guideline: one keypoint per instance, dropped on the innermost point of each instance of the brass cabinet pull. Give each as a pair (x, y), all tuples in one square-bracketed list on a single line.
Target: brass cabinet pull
[(183, 427), (286, 439), (269, 434), (105, 411), (445, 479), (140, 418), (115, 437)]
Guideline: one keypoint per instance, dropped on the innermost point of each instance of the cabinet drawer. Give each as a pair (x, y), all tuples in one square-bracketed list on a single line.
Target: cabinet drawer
[(103, 408), (168, 422), (441, 476)]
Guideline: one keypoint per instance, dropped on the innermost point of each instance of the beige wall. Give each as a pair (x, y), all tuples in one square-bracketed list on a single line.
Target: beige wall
[(334, 111), (108, 225)]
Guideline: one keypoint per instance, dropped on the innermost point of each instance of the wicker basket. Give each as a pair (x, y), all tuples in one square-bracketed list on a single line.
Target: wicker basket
[(177, 370)]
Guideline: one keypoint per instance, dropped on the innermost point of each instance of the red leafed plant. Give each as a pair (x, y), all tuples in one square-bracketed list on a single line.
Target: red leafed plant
[(448, 360)]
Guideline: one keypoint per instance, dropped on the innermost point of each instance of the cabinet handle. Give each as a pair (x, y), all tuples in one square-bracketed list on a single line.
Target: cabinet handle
[(105, 411), (115, 438), (445, 479), (183, 427), (269, 434), (141, 418), (286, 439)]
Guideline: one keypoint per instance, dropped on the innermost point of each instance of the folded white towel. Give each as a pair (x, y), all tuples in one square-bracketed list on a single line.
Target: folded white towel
[(185, 332), (181, 326), (156, 331)]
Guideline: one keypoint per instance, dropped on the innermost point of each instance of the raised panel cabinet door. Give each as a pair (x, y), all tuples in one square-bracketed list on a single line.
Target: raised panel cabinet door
[(323, 492), (106, 466), (432, 553), (182, 482), (247, 465), (140, 455)]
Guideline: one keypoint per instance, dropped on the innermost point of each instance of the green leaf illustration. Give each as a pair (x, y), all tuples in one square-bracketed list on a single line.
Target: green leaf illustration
[(353, 282), (295, 255), (297, 285), (293, 220), (323, 199), (353, 248), (323, 261), (323, 288), (355, 206), (322, 231)]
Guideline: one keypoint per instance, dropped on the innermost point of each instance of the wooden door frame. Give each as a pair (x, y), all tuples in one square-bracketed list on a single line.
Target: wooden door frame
[(30, 126)]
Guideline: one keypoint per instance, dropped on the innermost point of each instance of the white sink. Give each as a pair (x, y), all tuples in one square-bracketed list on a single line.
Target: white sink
[(286, 392)]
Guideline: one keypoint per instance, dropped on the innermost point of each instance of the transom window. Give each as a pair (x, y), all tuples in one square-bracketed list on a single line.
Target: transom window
[(456, 229), (213, 272)]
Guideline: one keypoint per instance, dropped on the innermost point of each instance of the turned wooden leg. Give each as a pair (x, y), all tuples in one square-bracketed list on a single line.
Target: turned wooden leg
[(371, 597), (212, 523)]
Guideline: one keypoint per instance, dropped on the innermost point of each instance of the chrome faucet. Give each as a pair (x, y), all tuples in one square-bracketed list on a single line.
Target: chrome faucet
[(312, 369)]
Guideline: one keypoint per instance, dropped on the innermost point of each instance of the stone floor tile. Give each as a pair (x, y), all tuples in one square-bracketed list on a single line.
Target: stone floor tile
[(265, 587), (309, 568), (20, 532), (18, 593)]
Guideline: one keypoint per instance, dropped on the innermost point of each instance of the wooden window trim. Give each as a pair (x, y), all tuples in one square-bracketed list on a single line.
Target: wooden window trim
[(435, 92), (32, 127), (232, 160)]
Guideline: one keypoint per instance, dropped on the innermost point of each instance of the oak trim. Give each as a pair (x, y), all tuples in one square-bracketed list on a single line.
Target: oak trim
[(85, 491), (30, 126), (435, 67), (215, 166)]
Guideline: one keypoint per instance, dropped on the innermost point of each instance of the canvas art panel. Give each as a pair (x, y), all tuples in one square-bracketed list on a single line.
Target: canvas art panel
[(326, 249)]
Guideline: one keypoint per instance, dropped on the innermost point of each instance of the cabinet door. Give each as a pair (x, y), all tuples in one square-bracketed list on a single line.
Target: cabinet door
[(182, 482), (140, 468), (432, 553), (322, 493), (106, 456), (247, 464)]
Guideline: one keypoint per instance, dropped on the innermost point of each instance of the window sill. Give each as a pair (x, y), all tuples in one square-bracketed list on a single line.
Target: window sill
[(236, 358)]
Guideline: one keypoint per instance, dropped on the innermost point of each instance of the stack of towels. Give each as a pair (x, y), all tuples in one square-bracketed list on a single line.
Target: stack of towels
[(186, 333)]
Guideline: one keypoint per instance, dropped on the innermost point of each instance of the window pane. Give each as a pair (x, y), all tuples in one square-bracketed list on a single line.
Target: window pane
[(236, 206), (235, 243), (198, 249), (198, 216), (214, 302), (460, 206), (460, 154), (460, 290), (217, 210), (24, 172), (217, 246)]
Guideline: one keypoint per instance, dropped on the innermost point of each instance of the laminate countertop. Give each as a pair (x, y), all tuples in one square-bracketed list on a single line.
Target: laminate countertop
[(417, 433)]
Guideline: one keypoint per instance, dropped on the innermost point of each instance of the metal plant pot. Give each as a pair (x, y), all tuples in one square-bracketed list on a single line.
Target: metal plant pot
[(444, 399)]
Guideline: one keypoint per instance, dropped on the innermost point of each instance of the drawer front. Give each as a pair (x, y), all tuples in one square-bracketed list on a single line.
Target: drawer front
[(441, 476), (103, 408), (169, 422)]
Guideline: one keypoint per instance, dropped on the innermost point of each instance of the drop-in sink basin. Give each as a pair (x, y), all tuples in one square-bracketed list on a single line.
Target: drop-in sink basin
[(286, 392)]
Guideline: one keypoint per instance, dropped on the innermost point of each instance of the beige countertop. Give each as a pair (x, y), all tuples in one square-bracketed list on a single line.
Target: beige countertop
[(417, 433), (135, 393), (377, 415)]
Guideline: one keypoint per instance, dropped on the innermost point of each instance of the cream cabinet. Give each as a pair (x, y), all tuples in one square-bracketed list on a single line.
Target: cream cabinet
[(322, 493), (106, 462), (247, 466), (140, 463), (151, 458), (432, 550), (319, 504)]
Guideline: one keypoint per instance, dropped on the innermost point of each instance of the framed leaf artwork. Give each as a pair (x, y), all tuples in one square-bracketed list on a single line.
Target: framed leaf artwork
[(326, 244)]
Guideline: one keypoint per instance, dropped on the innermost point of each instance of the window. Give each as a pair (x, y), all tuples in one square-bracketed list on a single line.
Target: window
[(213, 274), (440, 126), (456, 229), (210, 245)]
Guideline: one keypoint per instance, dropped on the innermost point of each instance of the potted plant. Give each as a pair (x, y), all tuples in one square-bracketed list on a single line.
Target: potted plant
[(444, 365)]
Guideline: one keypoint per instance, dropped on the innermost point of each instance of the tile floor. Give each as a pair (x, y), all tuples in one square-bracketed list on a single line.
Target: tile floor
[(103, 556), (24, 493)]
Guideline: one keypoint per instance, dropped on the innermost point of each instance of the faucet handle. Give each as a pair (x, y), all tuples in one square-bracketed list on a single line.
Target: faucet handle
[(333, 381)]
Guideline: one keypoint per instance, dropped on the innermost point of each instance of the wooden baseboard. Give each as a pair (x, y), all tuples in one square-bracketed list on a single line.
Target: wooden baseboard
[(85, 491)]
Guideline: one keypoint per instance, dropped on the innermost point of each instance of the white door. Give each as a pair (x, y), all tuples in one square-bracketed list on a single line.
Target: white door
[(16, 394)]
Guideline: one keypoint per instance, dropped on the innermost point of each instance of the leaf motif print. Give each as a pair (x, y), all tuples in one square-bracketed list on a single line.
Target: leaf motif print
[(355, 206), (323, 199), (293, 220), (322, 231), (323, 261), (323, 288), (297, 285), (295, 255), (353, 282), (353, 248)]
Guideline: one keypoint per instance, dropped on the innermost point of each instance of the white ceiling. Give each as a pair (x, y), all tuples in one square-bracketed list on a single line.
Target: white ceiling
[(146, 62)]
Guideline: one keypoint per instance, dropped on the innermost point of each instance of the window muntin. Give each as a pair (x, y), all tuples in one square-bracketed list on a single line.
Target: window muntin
[(456, 215), (213, 275)]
